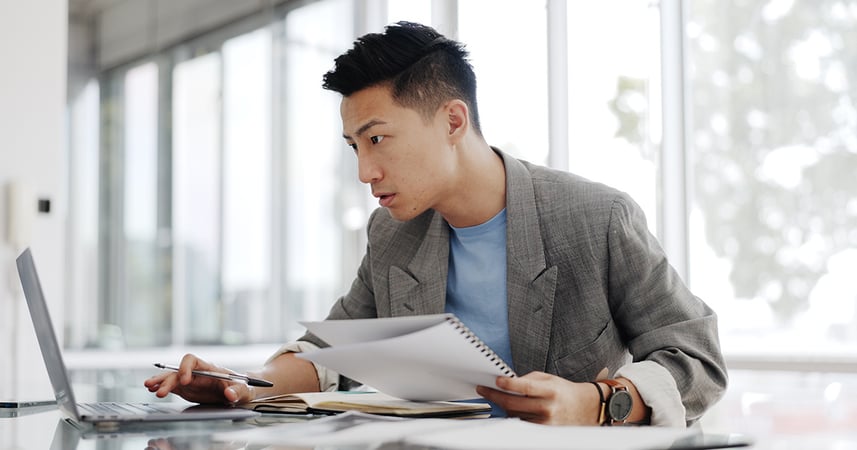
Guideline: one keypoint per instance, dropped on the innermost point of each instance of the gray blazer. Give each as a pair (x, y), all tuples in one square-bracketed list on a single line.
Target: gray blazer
[(588, 286)]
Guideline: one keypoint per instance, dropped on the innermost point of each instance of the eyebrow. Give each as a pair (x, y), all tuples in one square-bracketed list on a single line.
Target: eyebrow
[(365, 127)]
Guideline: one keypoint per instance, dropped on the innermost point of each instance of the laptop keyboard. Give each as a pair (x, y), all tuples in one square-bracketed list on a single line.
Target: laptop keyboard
[(121, 409)]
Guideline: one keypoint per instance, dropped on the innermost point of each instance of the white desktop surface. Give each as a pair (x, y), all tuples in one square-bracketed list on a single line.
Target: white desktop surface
[(43, 429)]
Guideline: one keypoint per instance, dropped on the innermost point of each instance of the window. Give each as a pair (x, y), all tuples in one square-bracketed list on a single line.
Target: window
[(83, 220), (246, 271), (228, 199), (324, 207), (774, 139), (509, 56), (614, 97), (139, 318), (226, 192), (411, 10), (197, 315)]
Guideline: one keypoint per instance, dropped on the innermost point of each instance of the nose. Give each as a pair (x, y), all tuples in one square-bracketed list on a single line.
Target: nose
[(367, 170)]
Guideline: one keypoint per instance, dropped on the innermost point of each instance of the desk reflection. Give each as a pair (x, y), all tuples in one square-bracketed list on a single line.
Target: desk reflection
[(49, 429), (150, 436)]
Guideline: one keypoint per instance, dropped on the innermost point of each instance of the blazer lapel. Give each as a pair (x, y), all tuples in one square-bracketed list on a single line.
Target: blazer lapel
[(420, 288), (530, 284)]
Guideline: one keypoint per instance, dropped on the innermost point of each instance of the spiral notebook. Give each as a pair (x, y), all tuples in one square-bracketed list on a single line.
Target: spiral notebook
[(422, 358)]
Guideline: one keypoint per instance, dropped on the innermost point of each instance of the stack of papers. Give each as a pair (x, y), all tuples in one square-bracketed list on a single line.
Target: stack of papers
[(367, 402)]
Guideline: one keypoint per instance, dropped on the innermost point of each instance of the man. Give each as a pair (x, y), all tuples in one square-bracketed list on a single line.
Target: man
[(557, 274)]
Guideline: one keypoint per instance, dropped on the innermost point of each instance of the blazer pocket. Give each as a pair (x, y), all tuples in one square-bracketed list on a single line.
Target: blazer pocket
[(584, 363)]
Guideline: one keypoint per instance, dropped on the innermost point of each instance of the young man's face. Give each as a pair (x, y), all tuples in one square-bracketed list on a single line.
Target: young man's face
[(406, 160)]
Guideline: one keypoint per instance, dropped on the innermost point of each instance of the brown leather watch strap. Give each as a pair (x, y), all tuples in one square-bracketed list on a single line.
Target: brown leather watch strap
[(602, 411), (614, 384)]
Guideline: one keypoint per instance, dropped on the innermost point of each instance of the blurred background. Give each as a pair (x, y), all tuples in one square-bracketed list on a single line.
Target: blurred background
[(210, 202)]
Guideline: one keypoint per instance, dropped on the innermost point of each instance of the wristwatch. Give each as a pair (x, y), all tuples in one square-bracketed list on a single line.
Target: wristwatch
[(619, 403)]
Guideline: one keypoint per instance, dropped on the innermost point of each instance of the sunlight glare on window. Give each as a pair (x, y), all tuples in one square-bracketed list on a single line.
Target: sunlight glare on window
[(247, 184), (196, 200), (774, 134), (509, 56), (614, 97)]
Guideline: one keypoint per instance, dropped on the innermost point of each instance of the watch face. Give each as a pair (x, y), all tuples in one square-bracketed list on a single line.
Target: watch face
[(619, 406)]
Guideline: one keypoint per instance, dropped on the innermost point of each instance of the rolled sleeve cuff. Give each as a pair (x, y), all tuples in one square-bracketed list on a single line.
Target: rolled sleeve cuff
[(658, 390), (328, 380)]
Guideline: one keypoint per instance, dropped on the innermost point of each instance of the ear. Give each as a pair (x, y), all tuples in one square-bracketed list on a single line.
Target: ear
[(457, 119)]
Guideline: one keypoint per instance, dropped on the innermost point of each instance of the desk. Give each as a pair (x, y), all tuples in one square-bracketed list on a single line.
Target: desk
[(48, 430)]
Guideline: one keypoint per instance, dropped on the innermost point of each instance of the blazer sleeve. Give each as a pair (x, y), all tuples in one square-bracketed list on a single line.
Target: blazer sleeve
[(658, 316)]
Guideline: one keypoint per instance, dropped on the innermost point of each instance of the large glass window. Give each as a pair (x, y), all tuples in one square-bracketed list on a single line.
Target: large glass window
[(774, 140), (509, 56), (411, 10), (142, 317), (247, 186), (323, 204), (196, 200), (231, 204), (614, 96), (84, 181), (229, 199)]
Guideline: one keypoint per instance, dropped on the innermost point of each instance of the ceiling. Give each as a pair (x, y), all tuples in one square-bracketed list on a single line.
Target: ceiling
[(89, 8)]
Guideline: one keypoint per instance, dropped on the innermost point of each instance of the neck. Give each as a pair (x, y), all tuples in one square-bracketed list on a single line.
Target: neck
[(478, 191)]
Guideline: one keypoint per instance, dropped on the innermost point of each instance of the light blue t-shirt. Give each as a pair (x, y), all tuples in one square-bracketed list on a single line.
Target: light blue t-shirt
[(476, 284)]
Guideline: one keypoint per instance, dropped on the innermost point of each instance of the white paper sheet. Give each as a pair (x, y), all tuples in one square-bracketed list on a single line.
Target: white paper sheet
[(338, 332), (438, 362)]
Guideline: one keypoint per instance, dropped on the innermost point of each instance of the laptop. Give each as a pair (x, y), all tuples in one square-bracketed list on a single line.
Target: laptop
[(101, 413)]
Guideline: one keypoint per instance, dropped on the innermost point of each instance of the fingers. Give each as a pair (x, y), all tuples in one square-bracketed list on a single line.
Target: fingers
[(527, 408), (154, 381), (533, 384), (188, 364), (170, 382), (239, 393), (195, 388), (162, 383), (540, 396)]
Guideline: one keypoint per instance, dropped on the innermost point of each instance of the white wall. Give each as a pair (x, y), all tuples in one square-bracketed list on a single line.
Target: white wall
[(33, 41)]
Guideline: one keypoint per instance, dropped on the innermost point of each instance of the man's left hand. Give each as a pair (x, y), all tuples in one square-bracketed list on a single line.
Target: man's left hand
[(546, 399)]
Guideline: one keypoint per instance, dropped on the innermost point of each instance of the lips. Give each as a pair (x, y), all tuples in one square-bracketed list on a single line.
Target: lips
[(386, 199)]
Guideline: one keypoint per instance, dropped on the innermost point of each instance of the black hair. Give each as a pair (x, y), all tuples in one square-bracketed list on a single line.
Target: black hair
[(423, 68)]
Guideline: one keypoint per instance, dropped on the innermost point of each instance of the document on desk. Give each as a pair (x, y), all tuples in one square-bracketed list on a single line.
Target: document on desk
[(358, 429), (367, 402), (422, 358)]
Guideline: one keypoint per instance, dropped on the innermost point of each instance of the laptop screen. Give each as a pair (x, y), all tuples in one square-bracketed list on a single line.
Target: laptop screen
[(45, 333)]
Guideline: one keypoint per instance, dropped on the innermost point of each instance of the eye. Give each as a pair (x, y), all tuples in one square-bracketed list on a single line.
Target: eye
[(353, 146), (376, 139)]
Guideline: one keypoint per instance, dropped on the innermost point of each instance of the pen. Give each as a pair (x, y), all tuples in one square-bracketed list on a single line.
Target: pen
[(223, 376)]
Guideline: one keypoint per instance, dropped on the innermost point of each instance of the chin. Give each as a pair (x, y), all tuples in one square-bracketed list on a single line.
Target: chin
[(403, 216)]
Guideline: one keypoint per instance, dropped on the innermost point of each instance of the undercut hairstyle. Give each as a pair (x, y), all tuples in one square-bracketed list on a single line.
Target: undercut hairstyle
[(423, 68)]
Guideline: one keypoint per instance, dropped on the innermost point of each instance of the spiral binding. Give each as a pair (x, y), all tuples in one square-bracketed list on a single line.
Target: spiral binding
[(481, 346)]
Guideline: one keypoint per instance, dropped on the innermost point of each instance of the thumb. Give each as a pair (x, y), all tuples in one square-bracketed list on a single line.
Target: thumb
[(239, 393)]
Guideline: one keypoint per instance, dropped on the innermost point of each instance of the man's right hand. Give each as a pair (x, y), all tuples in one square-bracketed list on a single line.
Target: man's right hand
[(199, 389)]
